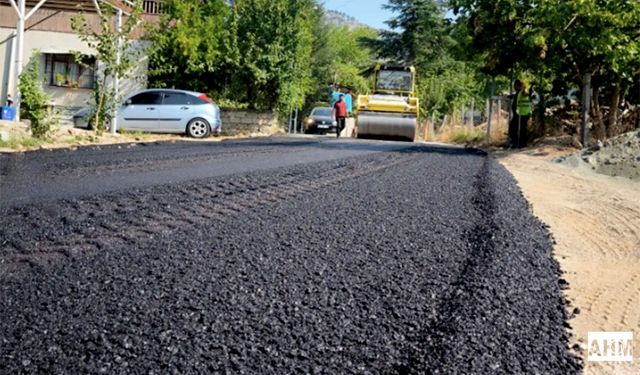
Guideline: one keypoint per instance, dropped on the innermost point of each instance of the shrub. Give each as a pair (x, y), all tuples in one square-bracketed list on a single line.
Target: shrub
[(466, 136), (33, 101)]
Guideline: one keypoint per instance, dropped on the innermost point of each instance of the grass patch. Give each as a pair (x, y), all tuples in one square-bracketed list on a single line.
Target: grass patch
[(135, 134), (25, 142), (79, 139), (465, 136)]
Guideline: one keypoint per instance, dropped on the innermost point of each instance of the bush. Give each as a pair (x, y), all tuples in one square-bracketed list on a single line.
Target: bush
[(33, 104)]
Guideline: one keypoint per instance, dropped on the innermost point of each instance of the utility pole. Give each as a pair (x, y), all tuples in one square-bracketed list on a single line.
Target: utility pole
[(638, 108), (23, 16), (493, 89), (19, 54), (116, 75)]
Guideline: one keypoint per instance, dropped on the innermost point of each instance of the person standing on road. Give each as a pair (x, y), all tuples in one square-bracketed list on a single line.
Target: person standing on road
[(340, 114), (335, 95), (348, 99), (521, 108)]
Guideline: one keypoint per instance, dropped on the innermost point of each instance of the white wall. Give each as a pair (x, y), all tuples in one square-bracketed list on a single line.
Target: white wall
[(5, 63)]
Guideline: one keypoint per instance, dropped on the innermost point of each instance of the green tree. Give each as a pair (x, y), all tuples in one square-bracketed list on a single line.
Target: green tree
[(600, 38), (256, 52), (115, 54), (419, 32), (559, 42), (192, 46), (34, 100), (275, 43), (422, 36), (347, 57), (496, 27)]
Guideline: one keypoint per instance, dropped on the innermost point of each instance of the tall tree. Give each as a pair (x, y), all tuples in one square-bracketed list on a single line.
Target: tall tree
[(115, 52), (192, 45), (600, 38), (560, 42), (419, 32), (496, 26), (422, 36), (274, 41), (249, 51)]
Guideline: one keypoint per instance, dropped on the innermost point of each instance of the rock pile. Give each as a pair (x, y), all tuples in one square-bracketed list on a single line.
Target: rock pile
[(619, 156)]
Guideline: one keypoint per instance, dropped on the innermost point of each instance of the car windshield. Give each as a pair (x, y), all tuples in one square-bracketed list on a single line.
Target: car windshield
[(323, 112), (399, 80)]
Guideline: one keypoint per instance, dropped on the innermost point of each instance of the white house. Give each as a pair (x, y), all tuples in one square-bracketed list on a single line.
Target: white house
[(48, 32)]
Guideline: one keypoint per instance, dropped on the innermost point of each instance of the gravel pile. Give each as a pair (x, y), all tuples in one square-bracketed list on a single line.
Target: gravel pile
[(425, 261), (619, 156)]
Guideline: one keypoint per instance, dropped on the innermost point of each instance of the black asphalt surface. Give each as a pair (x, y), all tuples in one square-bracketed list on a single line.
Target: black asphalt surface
[(274, 256)]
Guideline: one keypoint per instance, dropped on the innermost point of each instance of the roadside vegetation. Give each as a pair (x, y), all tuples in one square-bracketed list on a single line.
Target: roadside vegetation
[(34, 106), (468, 137), (114, 50), (284, 54), (557, 45), (17, 143)]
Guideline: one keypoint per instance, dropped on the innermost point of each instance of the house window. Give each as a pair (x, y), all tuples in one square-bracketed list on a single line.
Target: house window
[(63, 70)]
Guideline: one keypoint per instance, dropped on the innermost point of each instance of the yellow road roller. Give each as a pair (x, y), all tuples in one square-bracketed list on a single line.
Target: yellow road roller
[(391, 110)]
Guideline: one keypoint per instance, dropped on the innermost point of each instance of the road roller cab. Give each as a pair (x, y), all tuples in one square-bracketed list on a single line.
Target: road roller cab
[(392, 109)]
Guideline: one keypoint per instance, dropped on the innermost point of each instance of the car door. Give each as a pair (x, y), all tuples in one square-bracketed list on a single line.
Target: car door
[(141, 111), (175, 111)]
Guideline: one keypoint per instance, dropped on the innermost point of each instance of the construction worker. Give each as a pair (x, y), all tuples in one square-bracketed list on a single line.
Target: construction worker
[(348, 99), (521, 108), (335, 95), (340, 114)]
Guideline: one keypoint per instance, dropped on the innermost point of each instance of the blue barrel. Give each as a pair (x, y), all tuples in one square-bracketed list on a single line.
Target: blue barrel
[(8, 113)]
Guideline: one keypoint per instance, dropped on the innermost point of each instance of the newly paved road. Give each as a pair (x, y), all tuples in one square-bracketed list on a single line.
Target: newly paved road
[(289, 255)]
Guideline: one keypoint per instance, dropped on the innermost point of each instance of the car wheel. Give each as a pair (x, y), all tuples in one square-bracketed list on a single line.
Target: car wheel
[(198, 128)]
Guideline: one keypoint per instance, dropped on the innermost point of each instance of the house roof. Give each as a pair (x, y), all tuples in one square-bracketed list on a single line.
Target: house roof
[(75, 5)]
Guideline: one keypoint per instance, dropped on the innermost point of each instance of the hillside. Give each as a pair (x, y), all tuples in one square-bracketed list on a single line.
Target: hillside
[(337, 18)]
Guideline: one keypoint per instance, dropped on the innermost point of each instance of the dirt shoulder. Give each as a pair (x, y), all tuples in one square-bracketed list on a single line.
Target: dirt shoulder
[(15, 137), (595, 220)]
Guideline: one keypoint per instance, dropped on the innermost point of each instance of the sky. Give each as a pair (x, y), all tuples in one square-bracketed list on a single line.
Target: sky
[(369, 12)]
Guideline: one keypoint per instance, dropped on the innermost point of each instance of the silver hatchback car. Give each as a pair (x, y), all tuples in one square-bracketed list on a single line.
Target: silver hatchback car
[(166, 111)]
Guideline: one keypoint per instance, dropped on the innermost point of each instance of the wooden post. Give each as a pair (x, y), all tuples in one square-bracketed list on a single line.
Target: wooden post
[(493, 89)]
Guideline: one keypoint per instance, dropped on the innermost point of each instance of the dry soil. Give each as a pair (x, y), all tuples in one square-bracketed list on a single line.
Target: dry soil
[(595, 220)]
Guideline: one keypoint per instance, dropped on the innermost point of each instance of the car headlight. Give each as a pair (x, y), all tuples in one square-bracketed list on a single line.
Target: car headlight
[(309, 121)]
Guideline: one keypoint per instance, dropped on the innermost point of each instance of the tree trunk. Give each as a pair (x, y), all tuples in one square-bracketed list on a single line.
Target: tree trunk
[(99, 124), (597, 114), (251, 95), (542, 106), (613, 111)]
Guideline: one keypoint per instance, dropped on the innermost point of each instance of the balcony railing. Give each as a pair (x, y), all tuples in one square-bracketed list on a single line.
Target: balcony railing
[(152, 6)]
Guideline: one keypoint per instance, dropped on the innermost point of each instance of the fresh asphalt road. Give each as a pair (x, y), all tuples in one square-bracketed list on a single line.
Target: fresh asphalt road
[(274, 256)]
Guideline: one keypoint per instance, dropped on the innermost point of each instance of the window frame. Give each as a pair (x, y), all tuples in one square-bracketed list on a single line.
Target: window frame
[(85, 75)]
